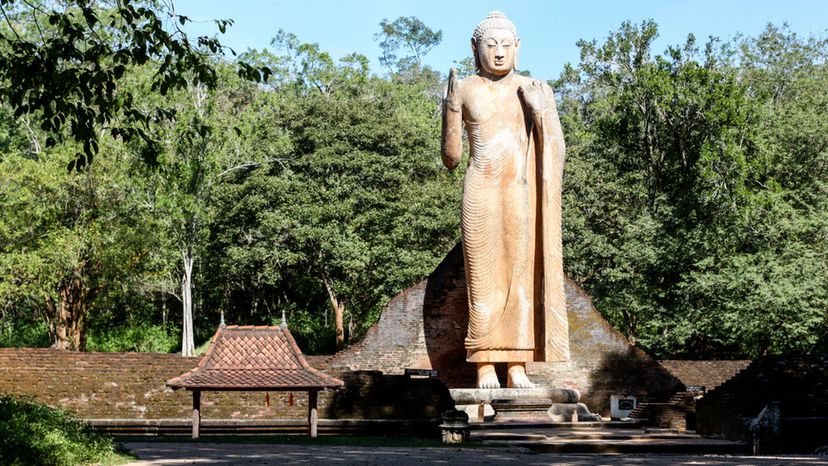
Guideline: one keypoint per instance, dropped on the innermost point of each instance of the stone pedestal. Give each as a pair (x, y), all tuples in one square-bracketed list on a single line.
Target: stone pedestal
[(455, 426), (467, 396), (521, 410), (522, 404)]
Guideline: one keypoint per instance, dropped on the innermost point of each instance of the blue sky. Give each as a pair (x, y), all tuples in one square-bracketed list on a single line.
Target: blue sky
[(548, 29)]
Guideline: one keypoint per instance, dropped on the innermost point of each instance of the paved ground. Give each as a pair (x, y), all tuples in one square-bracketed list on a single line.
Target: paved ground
[(183, 453)]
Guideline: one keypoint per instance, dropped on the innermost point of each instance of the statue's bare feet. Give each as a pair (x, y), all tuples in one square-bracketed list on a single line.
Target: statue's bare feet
[(518, 377), (486, 376)]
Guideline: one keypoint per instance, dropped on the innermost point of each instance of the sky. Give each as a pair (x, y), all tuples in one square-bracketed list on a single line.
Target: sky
[(549, 30)]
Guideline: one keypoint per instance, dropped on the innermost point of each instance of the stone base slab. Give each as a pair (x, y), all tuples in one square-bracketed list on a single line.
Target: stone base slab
[(523, 404), (521, 410), (469, 396)]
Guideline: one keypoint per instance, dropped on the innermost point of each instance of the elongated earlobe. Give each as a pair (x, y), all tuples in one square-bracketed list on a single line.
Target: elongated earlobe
[(474, 54), (517, 52)]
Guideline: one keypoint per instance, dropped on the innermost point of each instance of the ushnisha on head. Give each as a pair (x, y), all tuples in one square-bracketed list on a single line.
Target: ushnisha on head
[(495, 44)]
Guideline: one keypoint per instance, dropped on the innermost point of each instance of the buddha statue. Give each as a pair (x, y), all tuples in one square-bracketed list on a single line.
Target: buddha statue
[(511, 208)]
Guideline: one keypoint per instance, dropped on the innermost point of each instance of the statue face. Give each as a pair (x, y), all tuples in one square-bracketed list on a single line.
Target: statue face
[(496, 51)]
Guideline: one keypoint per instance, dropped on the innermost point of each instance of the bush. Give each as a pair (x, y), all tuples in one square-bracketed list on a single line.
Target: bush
[(142, 338), (24, 333), (35, 434)]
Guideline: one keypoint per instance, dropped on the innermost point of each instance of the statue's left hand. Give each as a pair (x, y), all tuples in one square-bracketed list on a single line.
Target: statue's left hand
[(534, 95)]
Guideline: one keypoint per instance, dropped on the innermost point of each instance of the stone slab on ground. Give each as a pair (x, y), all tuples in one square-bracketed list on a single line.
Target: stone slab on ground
[(563, 438), (181, 453)]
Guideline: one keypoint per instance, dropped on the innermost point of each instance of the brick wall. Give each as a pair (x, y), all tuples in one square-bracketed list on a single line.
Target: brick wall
[(800, 385), (132, 386), (708, 374), (125, 386)]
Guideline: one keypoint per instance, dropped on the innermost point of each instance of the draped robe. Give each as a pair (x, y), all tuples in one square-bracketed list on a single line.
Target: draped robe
[(511, 224)]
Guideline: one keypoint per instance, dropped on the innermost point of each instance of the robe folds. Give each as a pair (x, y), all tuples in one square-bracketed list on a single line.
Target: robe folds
[(511, 233)]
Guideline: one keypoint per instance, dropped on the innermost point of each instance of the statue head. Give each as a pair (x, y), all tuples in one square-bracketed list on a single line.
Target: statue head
[(495, 44)]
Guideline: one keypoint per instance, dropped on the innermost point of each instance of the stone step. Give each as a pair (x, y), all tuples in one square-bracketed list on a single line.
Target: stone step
[(605, 440), (580, 436), (705, 446), (255, 427), (510, 425)]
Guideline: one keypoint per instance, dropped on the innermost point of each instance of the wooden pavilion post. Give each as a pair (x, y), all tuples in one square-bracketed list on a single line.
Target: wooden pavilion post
[(196, 412), (312, 412)]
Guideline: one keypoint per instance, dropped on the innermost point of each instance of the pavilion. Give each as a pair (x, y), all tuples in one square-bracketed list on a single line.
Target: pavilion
[(254, 358)]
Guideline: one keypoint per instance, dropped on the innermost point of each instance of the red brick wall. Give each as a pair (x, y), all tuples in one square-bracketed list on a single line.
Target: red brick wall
[(708, 374), (127, 386), (132, 386)]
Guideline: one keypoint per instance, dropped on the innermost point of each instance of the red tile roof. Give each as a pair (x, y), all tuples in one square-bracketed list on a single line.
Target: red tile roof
[(253, 358)]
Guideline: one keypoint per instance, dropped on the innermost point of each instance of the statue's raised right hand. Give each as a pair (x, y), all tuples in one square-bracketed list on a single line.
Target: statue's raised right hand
[(452, 98)]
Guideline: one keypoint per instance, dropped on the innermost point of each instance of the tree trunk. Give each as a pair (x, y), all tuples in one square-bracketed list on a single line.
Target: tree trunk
[(338, 306), (187, 341), (339, 323), (67, 319)]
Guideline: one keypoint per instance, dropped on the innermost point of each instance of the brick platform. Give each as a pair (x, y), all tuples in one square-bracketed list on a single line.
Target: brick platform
[(798, 384)]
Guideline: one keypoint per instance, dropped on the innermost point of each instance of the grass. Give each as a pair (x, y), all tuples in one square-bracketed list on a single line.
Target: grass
[(35, 434)]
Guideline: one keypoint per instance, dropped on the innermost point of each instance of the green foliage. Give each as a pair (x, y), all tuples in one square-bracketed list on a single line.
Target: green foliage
[(353, 184), (70, 241), (65, 64), (407, 35), (142, 337), (21, 332), (695, 208), (35, 434)]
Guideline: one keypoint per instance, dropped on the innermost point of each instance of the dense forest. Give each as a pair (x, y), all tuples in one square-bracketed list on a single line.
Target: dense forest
[(151, 182)]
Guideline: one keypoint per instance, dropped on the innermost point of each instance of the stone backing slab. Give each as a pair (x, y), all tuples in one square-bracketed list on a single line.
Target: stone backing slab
[(424, 327)]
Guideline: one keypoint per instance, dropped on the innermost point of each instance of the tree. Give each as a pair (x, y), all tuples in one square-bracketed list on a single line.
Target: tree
[(202, 148), (71, 242), (406, 35), (356, 186), (682, 214), (404, 43), (63, 65)]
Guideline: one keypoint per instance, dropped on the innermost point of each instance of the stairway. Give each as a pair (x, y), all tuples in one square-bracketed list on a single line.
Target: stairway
[(676, 413), (679, 412), (798, 384)]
